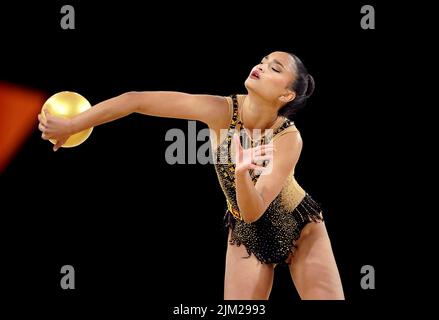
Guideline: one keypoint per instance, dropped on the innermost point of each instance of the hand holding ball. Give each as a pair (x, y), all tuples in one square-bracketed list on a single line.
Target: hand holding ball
[(65, 105)]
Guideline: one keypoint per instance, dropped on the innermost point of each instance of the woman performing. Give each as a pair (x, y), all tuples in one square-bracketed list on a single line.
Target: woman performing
[(270, 219)]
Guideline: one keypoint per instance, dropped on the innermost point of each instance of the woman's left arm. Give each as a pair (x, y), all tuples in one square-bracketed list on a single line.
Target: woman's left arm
[(254, 199)]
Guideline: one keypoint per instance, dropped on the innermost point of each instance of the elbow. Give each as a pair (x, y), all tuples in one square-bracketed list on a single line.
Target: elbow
[(247, 220), (249, 217), (253, 213), (131, 100)]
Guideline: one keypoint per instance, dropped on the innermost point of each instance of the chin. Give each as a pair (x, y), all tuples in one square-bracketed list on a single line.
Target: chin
[(254, 89), (249, 85)]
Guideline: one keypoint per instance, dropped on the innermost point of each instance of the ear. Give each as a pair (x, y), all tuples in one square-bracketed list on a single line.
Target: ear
[(288, 96)]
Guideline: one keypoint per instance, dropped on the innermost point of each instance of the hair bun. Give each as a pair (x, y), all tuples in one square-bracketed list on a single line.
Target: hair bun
[(310, 85)]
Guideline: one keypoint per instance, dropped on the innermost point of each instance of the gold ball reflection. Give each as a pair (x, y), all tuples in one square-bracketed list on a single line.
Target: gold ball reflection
[(67, 104)]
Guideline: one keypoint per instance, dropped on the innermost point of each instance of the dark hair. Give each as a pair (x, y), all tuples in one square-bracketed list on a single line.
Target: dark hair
[(303, 86)]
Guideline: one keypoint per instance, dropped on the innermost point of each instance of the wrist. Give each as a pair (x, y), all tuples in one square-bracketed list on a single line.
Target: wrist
[(71, 126)]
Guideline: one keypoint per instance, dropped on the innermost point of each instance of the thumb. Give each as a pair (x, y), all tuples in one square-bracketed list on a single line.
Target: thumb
[(59, 144)]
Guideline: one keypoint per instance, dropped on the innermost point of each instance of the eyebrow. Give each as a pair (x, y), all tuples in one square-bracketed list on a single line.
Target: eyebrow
[(275, 61), (278, 62)]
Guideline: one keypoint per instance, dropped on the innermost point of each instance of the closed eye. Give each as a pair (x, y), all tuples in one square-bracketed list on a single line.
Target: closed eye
[(272, 68)]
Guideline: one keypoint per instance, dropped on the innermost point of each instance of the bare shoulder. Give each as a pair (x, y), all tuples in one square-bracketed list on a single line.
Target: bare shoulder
[(288, 142), (220, 109), (211, 102)]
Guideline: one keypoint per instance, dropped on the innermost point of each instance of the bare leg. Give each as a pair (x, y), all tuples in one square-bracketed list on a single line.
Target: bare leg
[(246, 278), (313, 267)]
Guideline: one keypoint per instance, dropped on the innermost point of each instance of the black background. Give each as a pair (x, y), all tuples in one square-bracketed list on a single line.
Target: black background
[(134, 226)]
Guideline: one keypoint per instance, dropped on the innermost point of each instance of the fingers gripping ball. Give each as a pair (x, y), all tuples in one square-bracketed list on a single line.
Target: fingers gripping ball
[(68, 104)]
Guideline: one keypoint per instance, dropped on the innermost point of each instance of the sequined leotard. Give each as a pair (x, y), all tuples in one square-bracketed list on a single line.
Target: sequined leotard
[(272, 237)]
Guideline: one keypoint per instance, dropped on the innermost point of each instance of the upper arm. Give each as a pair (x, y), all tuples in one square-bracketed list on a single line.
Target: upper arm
[(288, 148), (210, 109)]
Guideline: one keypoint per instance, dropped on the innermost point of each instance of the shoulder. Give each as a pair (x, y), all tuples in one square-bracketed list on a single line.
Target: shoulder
[(216, 101), (287, 131), (225, 118), (288, 142), (217, 109), (239, 99)]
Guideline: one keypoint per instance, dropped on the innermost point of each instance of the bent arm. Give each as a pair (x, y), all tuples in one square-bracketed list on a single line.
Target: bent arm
[(254, 199)]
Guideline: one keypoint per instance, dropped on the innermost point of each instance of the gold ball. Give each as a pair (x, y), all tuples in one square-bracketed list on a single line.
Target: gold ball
[(67, 104)]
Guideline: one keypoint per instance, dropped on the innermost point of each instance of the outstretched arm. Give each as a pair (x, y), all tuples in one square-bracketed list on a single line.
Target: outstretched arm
[(212, 110)]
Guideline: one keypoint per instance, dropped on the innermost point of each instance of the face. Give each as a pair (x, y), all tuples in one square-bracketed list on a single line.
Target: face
[(272, 78)]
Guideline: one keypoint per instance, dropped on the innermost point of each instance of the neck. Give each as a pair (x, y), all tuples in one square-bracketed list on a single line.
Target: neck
[(258, 113)]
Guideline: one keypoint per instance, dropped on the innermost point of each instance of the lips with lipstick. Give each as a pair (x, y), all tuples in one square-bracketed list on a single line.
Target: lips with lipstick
[(255, 74)]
